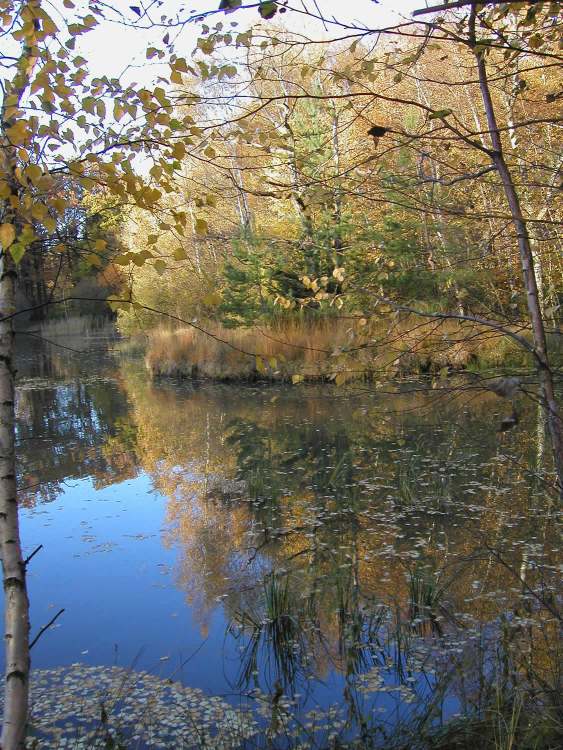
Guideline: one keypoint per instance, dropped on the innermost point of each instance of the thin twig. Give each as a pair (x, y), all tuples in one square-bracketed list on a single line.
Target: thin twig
[(30, 557), (44, 628), (458, 4)]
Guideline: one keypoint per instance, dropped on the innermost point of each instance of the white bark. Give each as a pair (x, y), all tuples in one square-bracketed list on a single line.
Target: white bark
[(16, 616), (513, 136)]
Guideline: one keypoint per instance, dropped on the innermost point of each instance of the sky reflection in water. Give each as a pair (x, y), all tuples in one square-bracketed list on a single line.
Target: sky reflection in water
[(324, 522)]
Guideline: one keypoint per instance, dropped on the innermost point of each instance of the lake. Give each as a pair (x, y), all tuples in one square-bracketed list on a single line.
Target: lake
[(287, 561)]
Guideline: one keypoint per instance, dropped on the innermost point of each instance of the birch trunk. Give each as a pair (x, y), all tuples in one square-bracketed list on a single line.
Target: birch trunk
[(549, 401), (16, 603), (16, 616)]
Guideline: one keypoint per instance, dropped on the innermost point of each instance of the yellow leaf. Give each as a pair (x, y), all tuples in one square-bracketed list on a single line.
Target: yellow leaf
[(89, 21), (213, 299), (27, 234), (49, 223), (88, 104), (338, 274), (180, 65), (17, 132), (206, 46), (117, 305), (201, 226), (7, 235), (178, 150), (121, 260), (295, 379), (34, 173), (93, 260), (100, 245), (49, 26), (59, 204), (38, 211)]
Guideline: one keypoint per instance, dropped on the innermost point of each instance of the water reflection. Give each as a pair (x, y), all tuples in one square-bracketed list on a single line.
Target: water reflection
[(73, 431), (354, 545)]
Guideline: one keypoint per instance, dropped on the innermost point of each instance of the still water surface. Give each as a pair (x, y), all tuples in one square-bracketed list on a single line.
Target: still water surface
[(336, 547)]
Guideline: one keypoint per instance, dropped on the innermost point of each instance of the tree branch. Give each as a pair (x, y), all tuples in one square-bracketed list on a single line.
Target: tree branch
[(458, 4), (44, 628)]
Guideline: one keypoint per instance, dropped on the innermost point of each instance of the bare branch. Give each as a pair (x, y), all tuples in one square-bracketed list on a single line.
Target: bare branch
[(458, 4), (45, 627)]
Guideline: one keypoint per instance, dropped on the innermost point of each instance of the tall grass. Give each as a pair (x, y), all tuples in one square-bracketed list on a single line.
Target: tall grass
[(330, 349), (240, 354)]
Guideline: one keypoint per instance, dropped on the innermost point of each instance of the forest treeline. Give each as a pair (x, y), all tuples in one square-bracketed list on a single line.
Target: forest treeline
[(333, 196), (348, 180)]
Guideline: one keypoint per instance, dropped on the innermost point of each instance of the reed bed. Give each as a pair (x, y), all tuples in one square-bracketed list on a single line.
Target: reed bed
[(334, 349)]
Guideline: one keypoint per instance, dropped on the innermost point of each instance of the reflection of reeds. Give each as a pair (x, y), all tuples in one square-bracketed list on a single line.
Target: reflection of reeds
[(77, 327), (426, 601), (275, 637)]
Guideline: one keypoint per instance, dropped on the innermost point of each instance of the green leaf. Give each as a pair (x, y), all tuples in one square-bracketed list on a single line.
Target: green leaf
[(439, 114), (17, 251), (268, 9), (229, 5)]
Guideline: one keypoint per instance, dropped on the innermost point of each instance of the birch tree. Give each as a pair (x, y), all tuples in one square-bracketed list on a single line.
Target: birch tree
[(58, 119)]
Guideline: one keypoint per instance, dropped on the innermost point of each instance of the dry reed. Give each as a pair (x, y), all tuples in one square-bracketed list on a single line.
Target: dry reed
[(331, 349)]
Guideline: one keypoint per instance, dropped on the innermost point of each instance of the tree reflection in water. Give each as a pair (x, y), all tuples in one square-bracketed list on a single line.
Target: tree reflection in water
[(396, 542)]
